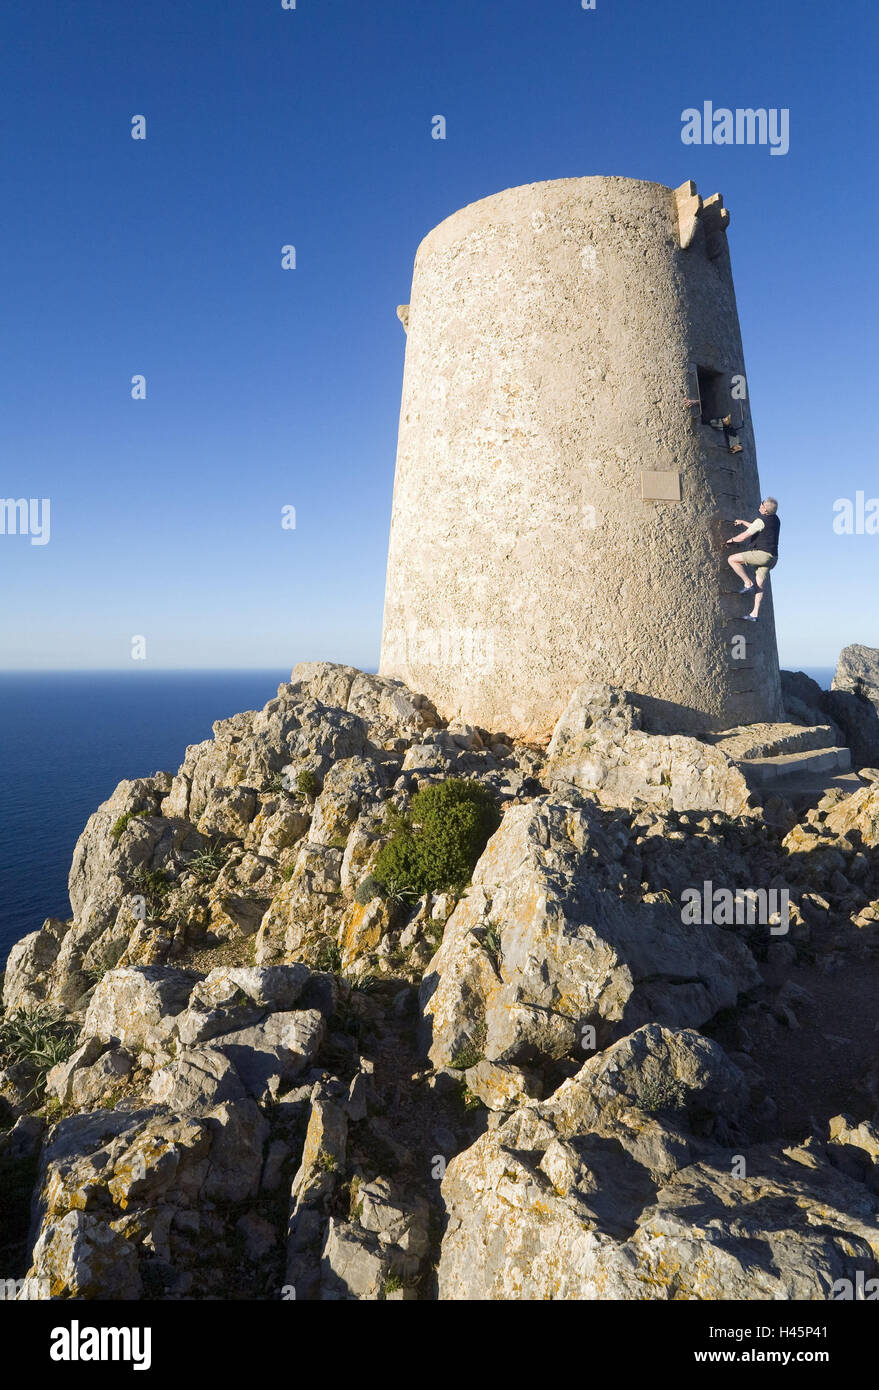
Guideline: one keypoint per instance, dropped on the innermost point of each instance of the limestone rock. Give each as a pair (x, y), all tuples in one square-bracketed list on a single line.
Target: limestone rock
[(282, 1046), (306, 911), (598, 746), (233, 997), (859, 812), (501, 1086), (92, 1071), (27, 981), (125, 834), (364, 925), (353, 1266), (195, 1081), (602, 1193), (858, 670), (239, 1134), (388, 708), (349, 787), (138, 1005), (853, 702), (228, 811), (278, 830), (82, 1257), (572, 949)]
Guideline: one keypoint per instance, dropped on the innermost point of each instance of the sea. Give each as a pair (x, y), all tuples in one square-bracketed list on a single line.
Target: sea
[(69, 737)]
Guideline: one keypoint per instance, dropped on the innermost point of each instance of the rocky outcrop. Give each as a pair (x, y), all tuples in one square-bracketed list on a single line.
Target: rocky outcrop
[(554, 939), (851, 705), (606, 1192), (858, 671), (266, 1061), (853, 701), (598, 746)]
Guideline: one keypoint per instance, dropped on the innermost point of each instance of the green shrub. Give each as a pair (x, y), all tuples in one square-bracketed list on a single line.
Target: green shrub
[(118, 827), (466, 1057), (436, 843), (392, 1284), (306, 783)]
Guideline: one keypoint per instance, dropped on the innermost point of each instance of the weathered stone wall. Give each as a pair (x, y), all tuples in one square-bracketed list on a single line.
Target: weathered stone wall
[(550, 335)]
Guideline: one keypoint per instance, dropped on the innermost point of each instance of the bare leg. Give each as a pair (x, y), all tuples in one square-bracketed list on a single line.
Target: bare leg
[(740, 570), (758, 599)]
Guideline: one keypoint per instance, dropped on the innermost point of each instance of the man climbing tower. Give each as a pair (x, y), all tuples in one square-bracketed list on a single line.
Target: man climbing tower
[(767, 525), (730, 433)]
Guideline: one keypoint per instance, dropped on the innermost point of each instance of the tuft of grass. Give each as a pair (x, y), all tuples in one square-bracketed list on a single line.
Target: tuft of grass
[(207, 863), (491, 941), (328, 956), (40, 1038), (391, 1284)]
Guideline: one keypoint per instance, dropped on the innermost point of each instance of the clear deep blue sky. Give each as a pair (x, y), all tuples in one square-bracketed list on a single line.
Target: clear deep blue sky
[(266, 387)]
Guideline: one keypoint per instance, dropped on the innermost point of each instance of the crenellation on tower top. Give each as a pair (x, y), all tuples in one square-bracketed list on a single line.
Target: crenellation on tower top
[(709, 213)]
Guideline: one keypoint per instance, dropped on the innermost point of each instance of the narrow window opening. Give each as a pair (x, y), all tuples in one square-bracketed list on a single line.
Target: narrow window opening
[(713, 394)]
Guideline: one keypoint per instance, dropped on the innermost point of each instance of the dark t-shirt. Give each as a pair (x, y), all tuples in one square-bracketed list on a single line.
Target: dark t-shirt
[(767, 539)]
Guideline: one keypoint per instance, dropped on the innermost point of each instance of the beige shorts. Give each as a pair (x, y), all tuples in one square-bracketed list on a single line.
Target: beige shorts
[(761, 558)]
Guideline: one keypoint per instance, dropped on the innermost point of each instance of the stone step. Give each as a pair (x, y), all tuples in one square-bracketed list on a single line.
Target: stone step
[(758, 741), (790, 768), (807, 790)]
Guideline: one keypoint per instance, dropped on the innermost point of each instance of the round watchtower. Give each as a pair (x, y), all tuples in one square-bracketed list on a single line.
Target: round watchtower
[(559, 510)]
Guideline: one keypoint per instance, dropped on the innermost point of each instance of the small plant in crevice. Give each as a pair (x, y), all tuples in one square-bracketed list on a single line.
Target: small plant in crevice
[(206, 864), (391, 1285), (119, 826), (395, 892), (471, 1052), (40, 1038), (306, 784), (367, 889), (328, 956), (467, 1097), (663, 1095), (155, 885), (108, 960), (491, 942)]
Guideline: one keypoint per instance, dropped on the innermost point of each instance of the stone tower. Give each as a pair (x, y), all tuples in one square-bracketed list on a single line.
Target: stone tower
[(559, 511)]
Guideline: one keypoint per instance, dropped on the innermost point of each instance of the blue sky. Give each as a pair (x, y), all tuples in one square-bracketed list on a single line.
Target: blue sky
[(268, 388)]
